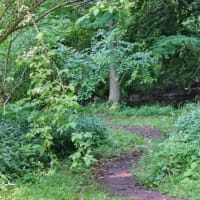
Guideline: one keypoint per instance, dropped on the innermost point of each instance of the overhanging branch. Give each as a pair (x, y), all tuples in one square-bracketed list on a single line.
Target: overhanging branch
[(8, 5), (66, 4), (12, 28), (16, 25)]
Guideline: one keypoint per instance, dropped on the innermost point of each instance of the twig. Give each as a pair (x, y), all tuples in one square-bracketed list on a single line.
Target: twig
[(122, 78), (7, 59), (12, 28), (15, 26), (66, 4), (6, 8), (13, 90)]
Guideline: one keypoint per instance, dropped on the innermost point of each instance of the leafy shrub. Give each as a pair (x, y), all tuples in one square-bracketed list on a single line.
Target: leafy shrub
[(178, 156), (62, 142), (93, 125), (83, 143), (171, 158), (80, 141), (189, 122), (19, 155)]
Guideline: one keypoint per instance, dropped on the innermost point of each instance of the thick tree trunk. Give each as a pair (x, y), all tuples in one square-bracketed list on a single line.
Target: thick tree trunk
[(114, 94)]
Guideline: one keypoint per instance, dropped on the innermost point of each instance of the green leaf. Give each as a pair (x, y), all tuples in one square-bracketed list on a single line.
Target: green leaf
[(39, 36)]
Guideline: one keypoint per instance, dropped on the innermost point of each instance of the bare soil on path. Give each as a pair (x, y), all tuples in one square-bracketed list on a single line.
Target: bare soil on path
[(117, 178)]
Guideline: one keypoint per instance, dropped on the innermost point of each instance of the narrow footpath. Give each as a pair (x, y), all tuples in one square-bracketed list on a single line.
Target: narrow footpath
[(117, 178)]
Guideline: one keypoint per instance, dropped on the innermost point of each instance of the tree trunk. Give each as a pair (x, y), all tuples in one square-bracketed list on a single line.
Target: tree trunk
[(114, 87)]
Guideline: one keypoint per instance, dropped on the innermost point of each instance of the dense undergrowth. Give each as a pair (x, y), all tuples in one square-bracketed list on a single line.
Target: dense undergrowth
[(173, 164), (54, 178), (19, 155), (22, 155)]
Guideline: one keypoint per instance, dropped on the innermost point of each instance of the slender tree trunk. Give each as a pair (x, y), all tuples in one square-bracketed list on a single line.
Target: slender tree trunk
[(114, 87)]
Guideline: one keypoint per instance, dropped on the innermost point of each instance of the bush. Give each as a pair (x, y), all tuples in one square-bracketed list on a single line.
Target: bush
[(177, 158), (80, 141), (62, 143), (95, 126), (19, 155), (189, 122), (172, 158)]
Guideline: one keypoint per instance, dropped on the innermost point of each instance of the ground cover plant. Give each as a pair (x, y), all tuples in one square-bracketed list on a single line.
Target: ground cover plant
[(173, 165), (56, 56), (19, 155), (77, 184), (22, 154), (120, 114), (123, 109)]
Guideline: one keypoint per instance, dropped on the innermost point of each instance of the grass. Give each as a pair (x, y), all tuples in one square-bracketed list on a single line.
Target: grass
[(67, 185), (188, 190), (119, 143), (123, 110), (163, 123), (64, 185)]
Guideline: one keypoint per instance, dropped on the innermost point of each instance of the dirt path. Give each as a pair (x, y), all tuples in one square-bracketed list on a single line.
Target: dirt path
[(117, 178)]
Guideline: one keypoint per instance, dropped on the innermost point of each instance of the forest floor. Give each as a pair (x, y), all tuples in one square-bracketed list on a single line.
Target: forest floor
[(130, 130), (116, 175)]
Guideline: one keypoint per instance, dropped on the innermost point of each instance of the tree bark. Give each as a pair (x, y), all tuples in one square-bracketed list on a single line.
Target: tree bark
[(114, 87)]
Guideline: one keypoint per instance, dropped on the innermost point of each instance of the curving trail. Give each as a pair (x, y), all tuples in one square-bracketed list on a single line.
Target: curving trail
[(117, 178)]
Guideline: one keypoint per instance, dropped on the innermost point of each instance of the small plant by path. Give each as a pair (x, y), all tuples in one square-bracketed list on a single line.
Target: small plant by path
[(117, 178)]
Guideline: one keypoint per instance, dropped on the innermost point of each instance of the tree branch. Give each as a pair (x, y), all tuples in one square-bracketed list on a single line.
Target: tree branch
[(13, 90), (7, 59), (66, 4), (15, 26), (122, 78), (12, 28), (6, 8)]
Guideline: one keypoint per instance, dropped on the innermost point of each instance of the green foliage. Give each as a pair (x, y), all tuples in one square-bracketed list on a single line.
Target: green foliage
[(127, 58), (106, 50), (175, 159), (63, 185), (88, 134), (78, 67), (62, 141), (176, 66), (69, 60), (122, 109), (83, 144), (93, 125), (52, 102), (167, 46), (188, 122), (107, 15), (155, 18), (177, 51), (19, 155), (171, 29)]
